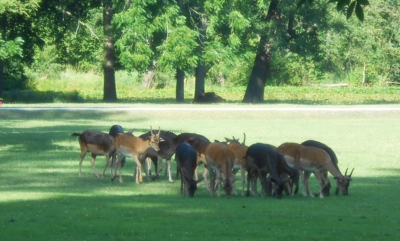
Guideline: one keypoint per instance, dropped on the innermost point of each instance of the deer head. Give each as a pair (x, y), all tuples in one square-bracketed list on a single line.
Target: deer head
[(343, 183)]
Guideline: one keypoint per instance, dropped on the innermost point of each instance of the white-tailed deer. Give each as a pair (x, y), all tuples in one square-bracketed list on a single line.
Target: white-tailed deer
[(132, 146)]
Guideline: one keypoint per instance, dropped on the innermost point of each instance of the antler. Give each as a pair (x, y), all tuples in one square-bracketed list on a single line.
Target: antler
[(345, 173), (159, 130), (244, 138), (351, 172)]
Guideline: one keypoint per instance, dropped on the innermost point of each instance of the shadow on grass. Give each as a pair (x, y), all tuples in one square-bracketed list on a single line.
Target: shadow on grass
[(31, 97), (89, 208), (47, 138)]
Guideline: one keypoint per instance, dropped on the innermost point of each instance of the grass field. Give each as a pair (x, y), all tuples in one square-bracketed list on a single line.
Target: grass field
[(42, 198)]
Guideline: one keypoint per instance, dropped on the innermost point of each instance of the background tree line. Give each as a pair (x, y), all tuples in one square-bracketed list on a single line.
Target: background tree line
[(242, 42)]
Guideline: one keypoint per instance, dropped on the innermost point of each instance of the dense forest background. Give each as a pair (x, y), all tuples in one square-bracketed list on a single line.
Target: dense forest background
[(238, 43)]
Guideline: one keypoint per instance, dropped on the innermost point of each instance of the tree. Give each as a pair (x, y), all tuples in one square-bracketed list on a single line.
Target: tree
[(262, 65), (68, 18), (156, 34), (11, 42), (110, 93)]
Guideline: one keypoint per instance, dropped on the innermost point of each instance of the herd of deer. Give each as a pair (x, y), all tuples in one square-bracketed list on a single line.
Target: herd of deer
[(277, 168)]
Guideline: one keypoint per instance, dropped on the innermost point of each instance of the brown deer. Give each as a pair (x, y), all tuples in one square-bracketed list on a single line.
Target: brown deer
[(98, 143), (132, 146), (312, 159), (240, 150), (219, 162)]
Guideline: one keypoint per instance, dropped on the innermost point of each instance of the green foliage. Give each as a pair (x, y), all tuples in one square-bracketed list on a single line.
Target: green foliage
[(351, 5), (178, 49), (18, 7), (28, 96), (375, 43), (292, 69), (11, 48)]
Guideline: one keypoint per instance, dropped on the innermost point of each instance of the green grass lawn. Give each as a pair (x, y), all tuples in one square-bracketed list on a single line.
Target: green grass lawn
[(42, 197)]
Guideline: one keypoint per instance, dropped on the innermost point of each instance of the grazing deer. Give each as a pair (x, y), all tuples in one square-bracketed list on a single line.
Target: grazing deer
[(312, 159), (240, 150), (219, 160), (261, 160), (186, 157), (98, 143), (200, 143), (334, 159), (132, 146)]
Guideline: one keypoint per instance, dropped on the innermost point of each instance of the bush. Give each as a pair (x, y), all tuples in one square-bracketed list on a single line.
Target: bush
[(30, 96)]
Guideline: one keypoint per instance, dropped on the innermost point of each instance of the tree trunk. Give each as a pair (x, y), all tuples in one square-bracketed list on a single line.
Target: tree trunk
[(200, 79), (201, 67), (180, 84), (262, 64), (260, 73), (110, 93), (3, 24)]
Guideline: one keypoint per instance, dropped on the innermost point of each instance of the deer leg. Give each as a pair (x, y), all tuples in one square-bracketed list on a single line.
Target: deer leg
[(147, 168), (218, 181), (119, 171), (243, 173), (93, 165), (248, 182), (235, 170), (139, 177), (254, 184), (321, 182), (212, 182), (306, 187), (117, 168), (178, 172), (169, 170), (182, 184), (107, 164), (205, 171), (196, 175), (83, 153)]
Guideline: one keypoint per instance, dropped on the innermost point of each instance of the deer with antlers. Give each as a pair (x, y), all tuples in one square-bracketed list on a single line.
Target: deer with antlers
[(316, 160)]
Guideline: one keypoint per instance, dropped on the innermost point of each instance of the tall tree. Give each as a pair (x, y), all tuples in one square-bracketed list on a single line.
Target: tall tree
[(15, 22), (155, 33), (109, 92), (261, 70), (262, 65)]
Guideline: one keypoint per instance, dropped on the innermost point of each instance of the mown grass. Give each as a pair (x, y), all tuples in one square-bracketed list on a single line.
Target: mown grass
[(42, 198)]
